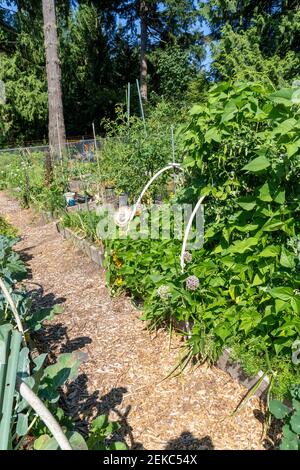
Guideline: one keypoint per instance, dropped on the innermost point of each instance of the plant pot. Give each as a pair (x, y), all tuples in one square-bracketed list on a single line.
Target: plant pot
[(70, 198)]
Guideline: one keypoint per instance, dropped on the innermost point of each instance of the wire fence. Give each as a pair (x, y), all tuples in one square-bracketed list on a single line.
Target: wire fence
[(84, 150)]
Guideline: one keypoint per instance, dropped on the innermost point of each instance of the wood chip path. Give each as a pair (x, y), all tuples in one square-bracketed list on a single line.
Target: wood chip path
[(123, 364)]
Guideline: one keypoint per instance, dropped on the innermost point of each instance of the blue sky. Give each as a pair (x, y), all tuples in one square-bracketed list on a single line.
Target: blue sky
[(3, 3), (203, 27), (206, 30)]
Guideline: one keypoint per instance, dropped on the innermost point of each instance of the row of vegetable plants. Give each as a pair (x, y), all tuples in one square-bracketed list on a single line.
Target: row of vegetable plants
[(27, 430), (129, 155), (241, 289)]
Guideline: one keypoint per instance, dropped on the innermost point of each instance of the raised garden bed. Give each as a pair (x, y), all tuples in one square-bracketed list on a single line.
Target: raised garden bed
[(225, 363), (94, 253), (235, 370)]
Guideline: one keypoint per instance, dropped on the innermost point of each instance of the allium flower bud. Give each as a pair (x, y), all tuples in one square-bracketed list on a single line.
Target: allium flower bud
[(192, 283), (164, 292), (187, 256)]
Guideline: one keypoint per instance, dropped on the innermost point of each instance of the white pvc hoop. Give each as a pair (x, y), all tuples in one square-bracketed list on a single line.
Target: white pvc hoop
[(187, 231), (38, 406), (189, 225), (168, 167), (13, 309), (32, 399)]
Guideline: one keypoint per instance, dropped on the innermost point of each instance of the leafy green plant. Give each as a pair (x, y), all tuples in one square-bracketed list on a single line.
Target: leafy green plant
[(83, 223), (100, 433), (291, 418), (131, 154), (6, 229), (242, 153)]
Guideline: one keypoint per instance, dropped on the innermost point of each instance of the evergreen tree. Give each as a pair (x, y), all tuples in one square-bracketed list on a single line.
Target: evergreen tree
[(255, 39), (57, 133)]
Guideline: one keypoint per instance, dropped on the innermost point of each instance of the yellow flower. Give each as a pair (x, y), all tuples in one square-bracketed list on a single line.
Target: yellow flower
[(116, 261), (119, 281)]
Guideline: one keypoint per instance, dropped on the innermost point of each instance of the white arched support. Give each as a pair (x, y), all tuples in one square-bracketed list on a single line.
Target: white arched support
[(187, 231), (32, 399), (13, 309), (38, 406), (170, 166)]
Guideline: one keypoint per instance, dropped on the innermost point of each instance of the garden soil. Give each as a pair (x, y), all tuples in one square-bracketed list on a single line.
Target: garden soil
[(123, 365)]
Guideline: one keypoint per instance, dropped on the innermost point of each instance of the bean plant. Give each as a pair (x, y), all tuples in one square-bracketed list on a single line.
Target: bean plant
[(242, 154)]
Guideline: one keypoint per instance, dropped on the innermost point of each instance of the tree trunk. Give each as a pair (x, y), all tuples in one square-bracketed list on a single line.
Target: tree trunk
[(144, 42), (57, 133)]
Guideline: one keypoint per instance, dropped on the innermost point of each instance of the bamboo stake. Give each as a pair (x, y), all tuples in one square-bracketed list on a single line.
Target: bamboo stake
[(95, 141), (173, 157), (128, 102), (59, 143), (141, 105)]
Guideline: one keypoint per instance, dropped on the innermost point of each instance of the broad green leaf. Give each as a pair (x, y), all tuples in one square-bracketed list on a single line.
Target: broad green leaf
[(39, 361), (295, 303), (258, 164), (296, 96), (264, 193), (285, 126), (76, 440), (189, 162), (23, 363), (283, 293), (196, 109), (295, 423), (290, 440), (240, 246), (283, 96), (249, 321), (287, 432), (66, 361), (213, 134), (287, 259), (118, 446), (290, 444), (278, 409), (45, 442), (279, 196), (280, 305), (223, 332), (283, 342), (292, 147), (270, 251), (100, 422), (258, 280), (246, 228), (272, 226), (247, 203), (22, 424), (156, 277), (229, 111)]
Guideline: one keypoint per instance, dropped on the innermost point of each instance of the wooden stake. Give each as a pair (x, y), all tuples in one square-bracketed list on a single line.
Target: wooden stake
[(141, 104)]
